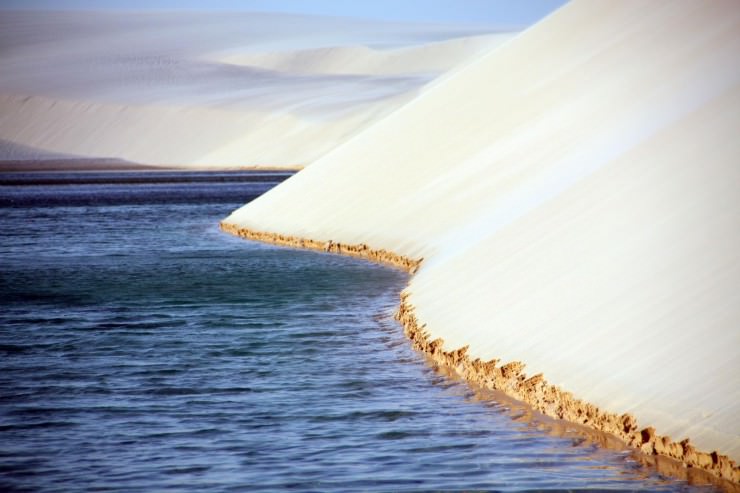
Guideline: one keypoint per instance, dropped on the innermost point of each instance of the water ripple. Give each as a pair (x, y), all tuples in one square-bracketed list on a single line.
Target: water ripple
[(141, 349)]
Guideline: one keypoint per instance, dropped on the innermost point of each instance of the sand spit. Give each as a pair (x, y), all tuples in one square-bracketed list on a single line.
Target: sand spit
[(510, 377), (363, 251), (77, 164)]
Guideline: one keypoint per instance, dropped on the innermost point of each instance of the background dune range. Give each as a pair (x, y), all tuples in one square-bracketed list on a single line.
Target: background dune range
[(209, 89)]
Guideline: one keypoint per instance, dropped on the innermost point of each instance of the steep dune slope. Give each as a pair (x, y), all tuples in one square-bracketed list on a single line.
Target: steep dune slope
[(574, 196)]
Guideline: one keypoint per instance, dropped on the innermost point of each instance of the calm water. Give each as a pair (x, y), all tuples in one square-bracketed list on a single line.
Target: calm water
[(143, 350)]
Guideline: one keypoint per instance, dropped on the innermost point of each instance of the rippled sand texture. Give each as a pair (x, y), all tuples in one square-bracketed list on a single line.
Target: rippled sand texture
[(574, 195), (209, 89)]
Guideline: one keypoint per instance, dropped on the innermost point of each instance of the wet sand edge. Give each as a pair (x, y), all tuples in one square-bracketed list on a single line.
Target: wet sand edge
[(510, 378)]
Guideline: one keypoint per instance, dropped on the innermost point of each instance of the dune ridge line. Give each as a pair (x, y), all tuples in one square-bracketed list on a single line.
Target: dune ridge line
[(510, 377)]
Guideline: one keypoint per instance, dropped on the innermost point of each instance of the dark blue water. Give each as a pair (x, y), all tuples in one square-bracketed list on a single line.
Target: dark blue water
[(141, 349)]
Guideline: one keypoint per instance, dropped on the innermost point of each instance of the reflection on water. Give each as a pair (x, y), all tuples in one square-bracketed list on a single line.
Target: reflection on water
[(141, 349)]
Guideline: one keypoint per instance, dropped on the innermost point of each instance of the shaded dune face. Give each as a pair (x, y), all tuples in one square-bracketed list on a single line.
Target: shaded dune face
[(210, 89), (577, 213)]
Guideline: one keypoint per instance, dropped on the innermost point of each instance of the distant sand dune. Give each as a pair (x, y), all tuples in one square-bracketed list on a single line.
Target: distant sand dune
[(170, 135), (429, 58), (10, 151), (575, 196), (154, 88)]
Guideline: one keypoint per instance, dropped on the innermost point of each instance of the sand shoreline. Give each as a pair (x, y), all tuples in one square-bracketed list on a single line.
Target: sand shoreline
[(509, 377), (106, 165)]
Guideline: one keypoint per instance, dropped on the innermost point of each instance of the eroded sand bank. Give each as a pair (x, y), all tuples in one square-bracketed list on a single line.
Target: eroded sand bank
[(577, 212), (510, 377)]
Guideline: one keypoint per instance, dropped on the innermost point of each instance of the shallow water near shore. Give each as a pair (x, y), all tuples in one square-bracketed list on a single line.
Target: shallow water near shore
[(142, 349)]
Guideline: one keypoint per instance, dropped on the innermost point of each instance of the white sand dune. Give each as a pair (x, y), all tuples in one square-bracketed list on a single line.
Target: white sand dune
[(170, 135), (430, 58), (11, 151), (154, 87), (575, 195)]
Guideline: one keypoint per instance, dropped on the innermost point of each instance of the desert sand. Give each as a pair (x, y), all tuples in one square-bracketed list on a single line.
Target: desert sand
[(207, 89), (574, 196)]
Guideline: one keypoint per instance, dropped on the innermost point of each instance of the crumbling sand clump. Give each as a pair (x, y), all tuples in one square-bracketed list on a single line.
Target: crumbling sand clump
[(556, 403), (510, 377)]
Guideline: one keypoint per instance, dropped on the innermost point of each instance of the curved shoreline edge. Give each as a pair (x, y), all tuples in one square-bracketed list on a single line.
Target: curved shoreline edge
[(510, 378)]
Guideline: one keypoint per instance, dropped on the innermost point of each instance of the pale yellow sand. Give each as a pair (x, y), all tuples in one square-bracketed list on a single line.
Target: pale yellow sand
[(575, 196)]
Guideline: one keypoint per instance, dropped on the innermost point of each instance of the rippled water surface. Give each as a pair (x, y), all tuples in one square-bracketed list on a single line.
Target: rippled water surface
[(141, 349)]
